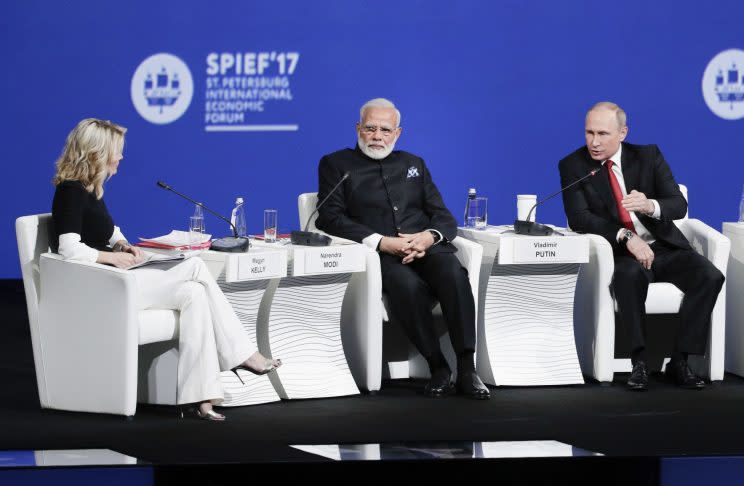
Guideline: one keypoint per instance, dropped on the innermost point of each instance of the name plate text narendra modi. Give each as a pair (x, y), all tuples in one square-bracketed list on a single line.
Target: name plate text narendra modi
[(329, 259)]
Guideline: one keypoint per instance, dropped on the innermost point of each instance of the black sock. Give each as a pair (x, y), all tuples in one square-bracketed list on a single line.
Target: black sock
[(638, 355), (436, 362), (466, 362)]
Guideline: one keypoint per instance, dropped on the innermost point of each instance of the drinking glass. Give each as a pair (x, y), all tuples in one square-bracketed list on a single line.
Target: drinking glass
[(525, 203), (270, 225), (196, 228)]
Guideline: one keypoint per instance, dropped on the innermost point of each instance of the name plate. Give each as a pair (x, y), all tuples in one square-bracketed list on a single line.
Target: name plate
[(537, 250), (329, 259), (256, 266)]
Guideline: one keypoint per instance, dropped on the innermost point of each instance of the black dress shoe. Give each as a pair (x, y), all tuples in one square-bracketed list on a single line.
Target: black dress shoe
[(470, 385), (440, 383), (680, 373), (638, 380)]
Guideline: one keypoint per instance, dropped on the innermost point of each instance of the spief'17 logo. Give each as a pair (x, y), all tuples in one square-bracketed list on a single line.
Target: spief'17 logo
[(723, 84), (162, 88)]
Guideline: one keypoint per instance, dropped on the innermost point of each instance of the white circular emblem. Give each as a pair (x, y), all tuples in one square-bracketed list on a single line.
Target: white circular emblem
[(723, 84), (162, 88)]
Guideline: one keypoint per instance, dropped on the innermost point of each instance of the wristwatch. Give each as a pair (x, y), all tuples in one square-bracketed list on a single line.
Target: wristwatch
[(626, 236)]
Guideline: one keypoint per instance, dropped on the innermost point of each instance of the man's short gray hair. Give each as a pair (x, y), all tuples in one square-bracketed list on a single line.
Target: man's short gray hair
[(378, 103), (622, 118)]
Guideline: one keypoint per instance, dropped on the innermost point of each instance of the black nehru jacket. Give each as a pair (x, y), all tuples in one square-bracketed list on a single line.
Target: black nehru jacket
[(388, 196), (75, 210)]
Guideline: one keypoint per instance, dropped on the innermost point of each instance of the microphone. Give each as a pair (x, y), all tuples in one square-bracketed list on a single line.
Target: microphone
[(230, 244), (310, 238), (535, 229)]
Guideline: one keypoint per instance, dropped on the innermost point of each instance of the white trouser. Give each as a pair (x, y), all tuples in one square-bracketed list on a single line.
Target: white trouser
[(210, 336)]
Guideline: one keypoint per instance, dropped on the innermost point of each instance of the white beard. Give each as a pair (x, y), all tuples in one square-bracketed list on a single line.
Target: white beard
[(376, 154)]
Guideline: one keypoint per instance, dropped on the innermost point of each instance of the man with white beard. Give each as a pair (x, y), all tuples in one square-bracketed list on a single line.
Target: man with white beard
[(389, 203)]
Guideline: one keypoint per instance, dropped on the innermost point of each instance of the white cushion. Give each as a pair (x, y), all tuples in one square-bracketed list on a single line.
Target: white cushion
[(157, 325), (662, 298)]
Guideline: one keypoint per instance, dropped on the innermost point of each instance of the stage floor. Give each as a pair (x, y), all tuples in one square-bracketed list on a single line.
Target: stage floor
[(665, 421)]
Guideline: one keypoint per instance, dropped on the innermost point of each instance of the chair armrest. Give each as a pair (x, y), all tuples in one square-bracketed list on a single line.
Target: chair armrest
[(88, 331), (716, 247), (710, 243), (594, 311), (93, 265), (470, 255), (361, 324)]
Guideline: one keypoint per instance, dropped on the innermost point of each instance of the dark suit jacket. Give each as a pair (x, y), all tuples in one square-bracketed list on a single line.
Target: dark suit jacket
[(389, 196), (591, 207)]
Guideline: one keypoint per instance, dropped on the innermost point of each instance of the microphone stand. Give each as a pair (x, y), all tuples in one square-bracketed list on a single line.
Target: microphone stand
[(229, 244), (535, 229), (311, 238)]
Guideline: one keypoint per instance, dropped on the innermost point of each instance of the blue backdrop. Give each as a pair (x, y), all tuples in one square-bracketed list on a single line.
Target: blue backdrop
[(493, 94)]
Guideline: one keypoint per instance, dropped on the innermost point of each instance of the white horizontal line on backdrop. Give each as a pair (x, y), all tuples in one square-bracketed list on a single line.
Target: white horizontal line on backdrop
[(252, 128)]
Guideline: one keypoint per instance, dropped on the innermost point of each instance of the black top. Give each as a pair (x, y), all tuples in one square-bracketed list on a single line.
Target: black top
[(388, 196), (75, 210)]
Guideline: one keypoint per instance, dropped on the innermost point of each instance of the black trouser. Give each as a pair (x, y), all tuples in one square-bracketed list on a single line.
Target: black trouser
[(689, 271), (411, 291)]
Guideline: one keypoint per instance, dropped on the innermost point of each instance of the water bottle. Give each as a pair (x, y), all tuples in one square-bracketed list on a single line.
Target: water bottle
[(741, 206), (238, 217), (469, 219)]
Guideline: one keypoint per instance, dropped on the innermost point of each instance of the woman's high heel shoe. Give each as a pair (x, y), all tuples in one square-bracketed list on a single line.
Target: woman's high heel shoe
[(268, 365), (208, 415)]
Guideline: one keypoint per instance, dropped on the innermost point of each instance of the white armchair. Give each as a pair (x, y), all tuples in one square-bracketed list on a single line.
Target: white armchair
[(93, 350), (594, 306), (363, 313)]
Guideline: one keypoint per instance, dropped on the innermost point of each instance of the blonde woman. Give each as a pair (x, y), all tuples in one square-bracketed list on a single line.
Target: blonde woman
[(211, 338)]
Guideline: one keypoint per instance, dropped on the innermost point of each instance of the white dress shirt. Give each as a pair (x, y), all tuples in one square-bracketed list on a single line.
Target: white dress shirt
[(373, 240), (71, 248), (641, 230)]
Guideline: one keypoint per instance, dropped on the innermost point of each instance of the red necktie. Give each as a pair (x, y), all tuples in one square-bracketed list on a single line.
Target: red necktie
[(621, 211)]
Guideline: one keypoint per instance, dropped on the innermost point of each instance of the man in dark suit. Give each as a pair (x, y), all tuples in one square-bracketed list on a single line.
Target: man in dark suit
[(632, 202), (390, 203)]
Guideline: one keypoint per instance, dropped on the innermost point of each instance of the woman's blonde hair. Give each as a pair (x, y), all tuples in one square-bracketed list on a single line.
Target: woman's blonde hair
[(89, 149)]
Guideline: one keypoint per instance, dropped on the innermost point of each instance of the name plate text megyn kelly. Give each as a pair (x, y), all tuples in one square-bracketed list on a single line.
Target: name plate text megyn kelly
[(557, 249), (333, 259)]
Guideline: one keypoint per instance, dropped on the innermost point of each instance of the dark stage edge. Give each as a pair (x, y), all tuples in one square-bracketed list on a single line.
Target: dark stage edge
[(634, 430)]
